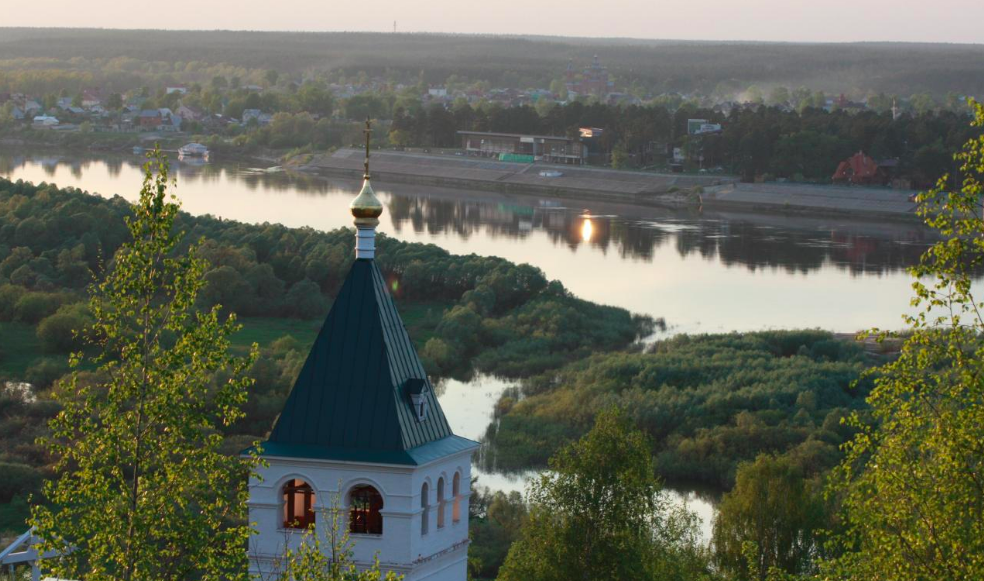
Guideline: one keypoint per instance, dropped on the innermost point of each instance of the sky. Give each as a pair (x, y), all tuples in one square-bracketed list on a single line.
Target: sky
[(957, 21)]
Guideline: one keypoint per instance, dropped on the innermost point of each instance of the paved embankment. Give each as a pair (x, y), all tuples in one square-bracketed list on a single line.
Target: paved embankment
[(512, 177), (717, 192), (799, 198)]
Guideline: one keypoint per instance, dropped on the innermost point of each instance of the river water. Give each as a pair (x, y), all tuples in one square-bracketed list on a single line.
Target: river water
[(702, 272)]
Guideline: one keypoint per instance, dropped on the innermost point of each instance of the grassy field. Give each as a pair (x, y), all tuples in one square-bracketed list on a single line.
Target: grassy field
[(19, 348), (266, 330), (421, 319)]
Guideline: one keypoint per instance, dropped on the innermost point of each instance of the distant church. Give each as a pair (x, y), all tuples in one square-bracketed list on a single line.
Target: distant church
[(362, 422)]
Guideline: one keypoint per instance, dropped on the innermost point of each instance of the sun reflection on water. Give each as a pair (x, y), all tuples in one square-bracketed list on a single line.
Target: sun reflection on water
[(587, 229)]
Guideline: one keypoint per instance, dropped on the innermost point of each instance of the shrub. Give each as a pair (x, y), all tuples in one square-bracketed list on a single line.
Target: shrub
[(60, 332), (9, 295), (18, 479), (45, 372), (32, 307)]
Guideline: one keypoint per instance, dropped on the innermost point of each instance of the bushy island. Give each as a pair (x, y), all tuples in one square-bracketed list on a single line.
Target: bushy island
[(467, 313), (707, 403)]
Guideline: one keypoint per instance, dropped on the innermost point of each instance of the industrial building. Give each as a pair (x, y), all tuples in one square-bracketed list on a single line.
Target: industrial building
[(524, 148)]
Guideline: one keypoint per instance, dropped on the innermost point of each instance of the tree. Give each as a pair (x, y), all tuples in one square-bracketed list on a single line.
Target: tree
[(779, 96), (114, 102), (777, 510), (305, 301), (142, 491), (913, 478), (923, 103), (600, 513), (620, 157)]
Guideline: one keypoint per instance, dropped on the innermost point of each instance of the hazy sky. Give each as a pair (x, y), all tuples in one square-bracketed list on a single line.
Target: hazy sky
[(784, 20)]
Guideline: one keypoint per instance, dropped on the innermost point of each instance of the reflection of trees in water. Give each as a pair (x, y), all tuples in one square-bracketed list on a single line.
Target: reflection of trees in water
[(753, 242), (187, 170), (861, 248)]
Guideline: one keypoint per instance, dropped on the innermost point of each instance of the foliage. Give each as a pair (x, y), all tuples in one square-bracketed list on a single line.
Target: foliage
[(494, 523), (16, 478), (142, 491), (707, 402), (912, 478), (778, 511), (599, 513)]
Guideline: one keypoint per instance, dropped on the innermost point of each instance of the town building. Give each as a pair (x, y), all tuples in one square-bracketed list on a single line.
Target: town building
[(45, 122), (702, 127), (362, 432), (91, 98), (593, 81), (190, 113), (860, 170), (508, 146), (257, 116), (150, 119)]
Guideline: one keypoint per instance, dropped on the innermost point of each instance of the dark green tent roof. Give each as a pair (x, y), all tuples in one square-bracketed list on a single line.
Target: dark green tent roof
[(352, 398)]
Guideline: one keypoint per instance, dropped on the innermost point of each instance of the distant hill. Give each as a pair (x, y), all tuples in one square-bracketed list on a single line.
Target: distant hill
[(526, 61)]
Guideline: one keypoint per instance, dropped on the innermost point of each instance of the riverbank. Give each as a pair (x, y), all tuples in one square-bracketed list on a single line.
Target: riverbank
[(599, 184)]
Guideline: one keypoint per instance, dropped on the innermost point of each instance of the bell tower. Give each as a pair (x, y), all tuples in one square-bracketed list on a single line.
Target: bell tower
[(362, 424)]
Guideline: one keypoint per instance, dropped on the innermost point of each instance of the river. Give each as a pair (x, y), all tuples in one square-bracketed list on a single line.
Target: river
[(702, 272)]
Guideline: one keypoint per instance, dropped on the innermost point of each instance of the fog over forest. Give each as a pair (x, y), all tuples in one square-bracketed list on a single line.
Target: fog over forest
[(522, 61)]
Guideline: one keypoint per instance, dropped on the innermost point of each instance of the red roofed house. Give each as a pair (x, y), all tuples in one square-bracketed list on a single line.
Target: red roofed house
[(860, 170)]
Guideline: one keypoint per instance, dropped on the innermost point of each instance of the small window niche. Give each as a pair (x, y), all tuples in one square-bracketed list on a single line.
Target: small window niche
[(417, 391)]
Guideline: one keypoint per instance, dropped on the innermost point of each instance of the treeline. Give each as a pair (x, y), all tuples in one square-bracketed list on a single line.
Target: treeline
[(707, 402), (511, 61), (801, 145)]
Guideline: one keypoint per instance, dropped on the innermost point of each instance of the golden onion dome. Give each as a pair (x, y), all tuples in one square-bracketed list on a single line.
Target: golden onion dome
[(366, 206)]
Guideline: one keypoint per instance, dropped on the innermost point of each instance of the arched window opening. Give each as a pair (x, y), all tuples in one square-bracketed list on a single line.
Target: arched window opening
[(364, 516), (423, 504), (298, 504), (440, 502), (455, 492)]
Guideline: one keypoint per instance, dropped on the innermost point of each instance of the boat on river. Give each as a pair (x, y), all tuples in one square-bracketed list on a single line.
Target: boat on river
[(193, 150)]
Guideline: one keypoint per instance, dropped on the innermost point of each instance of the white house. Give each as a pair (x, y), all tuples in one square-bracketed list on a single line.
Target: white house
[(363, 430), (45, 121)]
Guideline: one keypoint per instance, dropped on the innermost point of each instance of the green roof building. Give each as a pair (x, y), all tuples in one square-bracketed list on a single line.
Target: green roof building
[(363, 430)]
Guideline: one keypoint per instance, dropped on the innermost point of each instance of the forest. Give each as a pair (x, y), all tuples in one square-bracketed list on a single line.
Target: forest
[(467, 313), (156, 57)]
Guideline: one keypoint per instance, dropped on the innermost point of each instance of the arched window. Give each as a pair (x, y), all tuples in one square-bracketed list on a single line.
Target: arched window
[(424, 490), (440, 502), (298, 504), (455, 492), (364, 516)]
